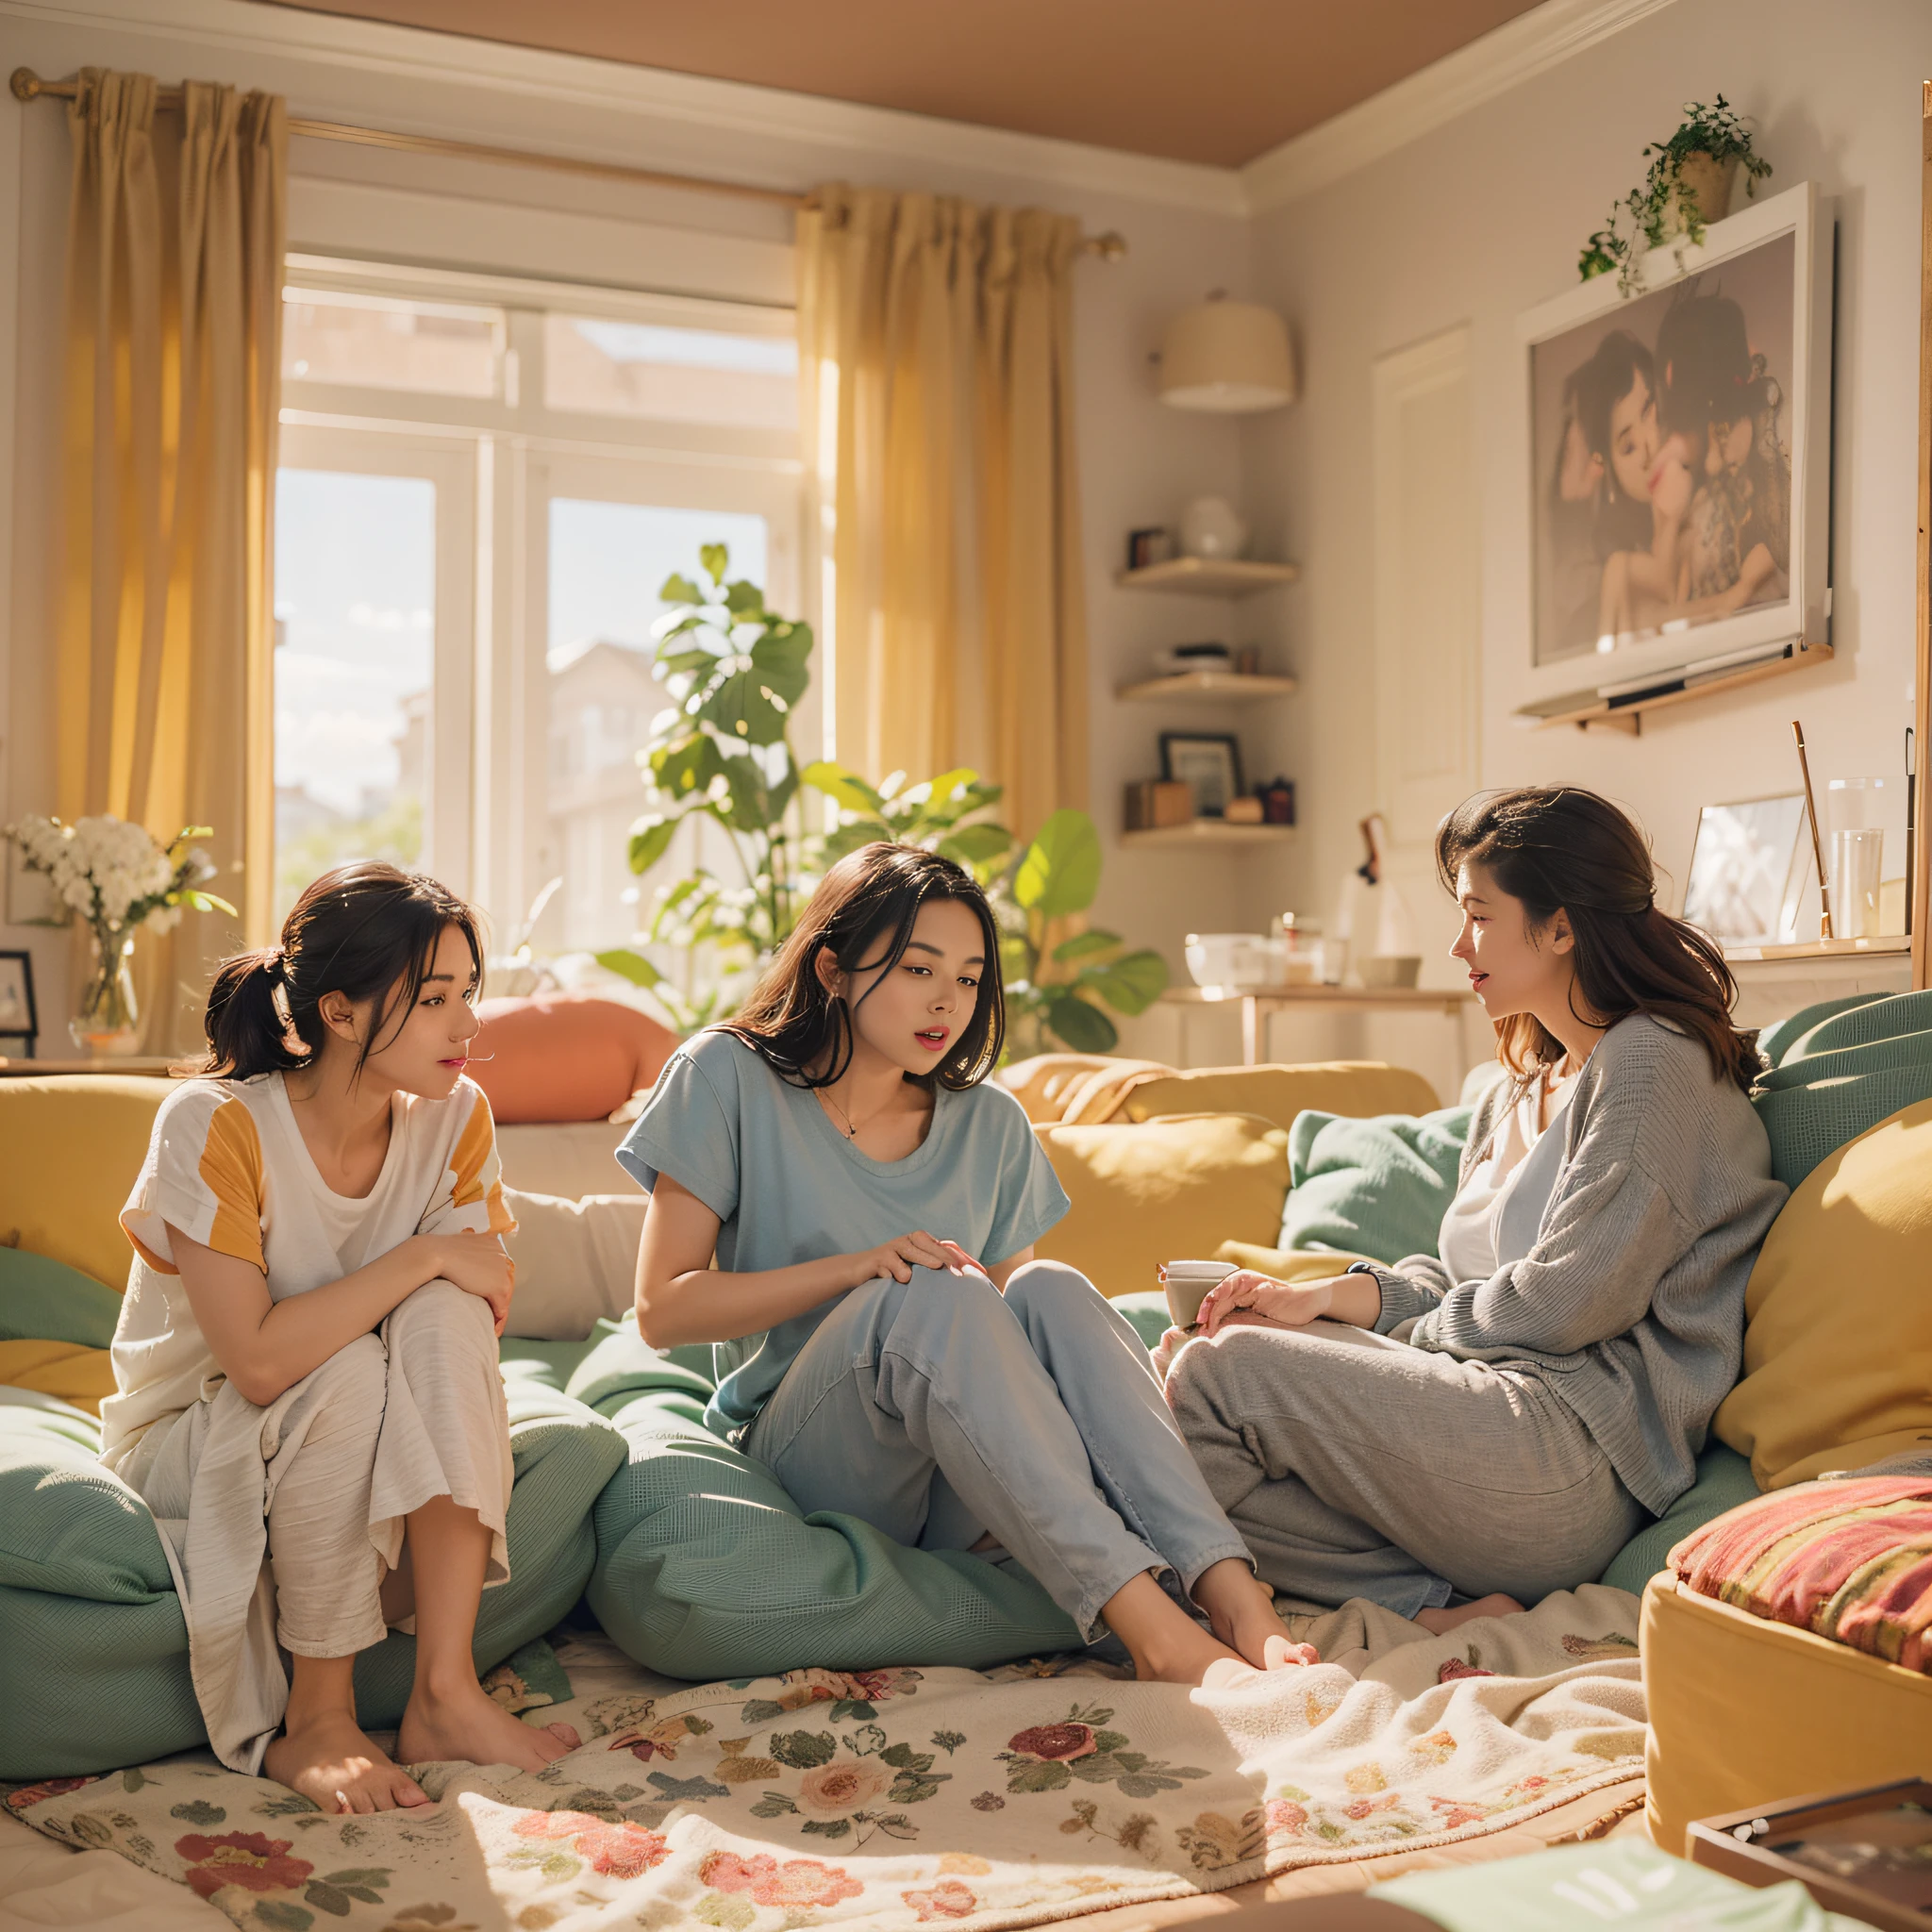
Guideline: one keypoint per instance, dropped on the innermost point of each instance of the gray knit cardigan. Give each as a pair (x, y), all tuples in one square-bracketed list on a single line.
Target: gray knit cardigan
[(1630, 1304)]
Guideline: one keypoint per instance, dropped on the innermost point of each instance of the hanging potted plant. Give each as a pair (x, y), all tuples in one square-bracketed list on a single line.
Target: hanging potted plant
[(1687, 187)]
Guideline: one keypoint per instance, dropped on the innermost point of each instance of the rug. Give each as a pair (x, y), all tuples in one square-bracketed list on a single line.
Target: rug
[(901, 1798)]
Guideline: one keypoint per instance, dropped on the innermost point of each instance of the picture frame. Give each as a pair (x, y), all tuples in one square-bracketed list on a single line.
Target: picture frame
[(1661, 546), (17, 1002), (1751, 862), (1210, 761)]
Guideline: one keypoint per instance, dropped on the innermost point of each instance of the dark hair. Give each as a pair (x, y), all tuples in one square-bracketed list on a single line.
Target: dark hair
[(1621, 362), (368, 932), (870, 896), (1709, 373), (1559, 847)]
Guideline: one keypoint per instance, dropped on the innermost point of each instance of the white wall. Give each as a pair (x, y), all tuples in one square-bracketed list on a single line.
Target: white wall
[(1481, 219), (1185, 229)]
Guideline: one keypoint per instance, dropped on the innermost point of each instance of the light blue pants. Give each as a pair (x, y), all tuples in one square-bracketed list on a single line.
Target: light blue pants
[(938, 1410)]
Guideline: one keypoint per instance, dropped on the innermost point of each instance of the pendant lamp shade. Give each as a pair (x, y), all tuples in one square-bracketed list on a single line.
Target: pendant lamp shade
[(1230, 357)]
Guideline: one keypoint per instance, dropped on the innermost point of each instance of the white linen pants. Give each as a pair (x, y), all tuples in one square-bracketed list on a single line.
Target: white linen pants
[(281, 1522)]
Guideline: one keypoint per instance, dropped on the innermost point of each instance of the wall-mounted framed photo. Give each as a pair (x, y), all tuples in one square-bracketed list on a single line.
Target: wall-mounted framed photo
[(1210, 761), (19, 1023), (1680, 457), (1750, 865)]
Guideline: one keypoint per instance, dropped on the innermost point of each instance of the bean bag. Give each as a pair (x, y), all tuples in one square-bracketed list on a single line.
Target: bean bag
[(565, 1057), (94, 1669), (1375, 1187), (707, 1569)]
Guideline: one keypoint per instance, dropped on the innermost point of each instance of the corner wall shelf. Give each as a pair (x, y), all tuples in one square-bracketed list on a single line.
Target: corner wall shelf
[(1208, 576), (1221, 685), (1627, 714), (1882, 945), (1199, 832)]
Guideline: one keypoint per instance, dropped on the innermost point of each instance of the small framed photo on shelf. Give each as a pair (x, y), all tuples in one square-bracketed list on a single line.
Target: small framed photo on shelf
[(1210, 761), (1148, 546), (1750, 865), (18, 1020)]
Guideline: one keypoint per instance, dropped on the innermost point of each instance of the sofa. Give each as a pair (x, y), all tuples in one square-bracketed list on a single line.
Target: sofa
[(1158, 1164)]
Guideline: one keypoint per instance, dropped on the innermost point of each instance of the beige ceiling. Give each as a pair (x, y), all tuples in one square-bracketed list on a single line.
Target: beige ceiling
[(1196, 80)]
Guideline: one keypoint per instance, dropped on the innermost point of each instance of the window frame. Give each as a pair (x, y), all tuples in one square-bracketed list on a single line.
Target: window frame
[(487, 823)]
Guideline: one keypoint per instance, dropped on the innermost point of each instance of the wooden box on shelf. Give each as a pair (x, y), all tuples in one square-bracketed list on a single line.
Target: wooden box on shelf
[(1153, 802)]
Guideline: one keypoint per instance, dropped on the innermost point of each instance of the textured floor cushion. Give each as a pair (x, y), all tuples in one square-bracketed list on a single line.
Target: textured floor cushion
[(1723, 1481), (707, 1569), (1849, 1560), (94, 1672), (1375, 1187), (1744, 1712)]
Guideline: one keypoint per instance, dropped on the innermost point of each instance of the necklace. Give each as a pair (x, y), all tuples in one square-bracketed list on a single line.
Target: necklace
[(851, 1127)]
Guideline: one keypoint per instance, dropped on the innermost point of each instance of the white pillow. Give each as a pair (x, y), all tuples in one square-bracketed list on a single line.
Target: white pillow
[(577, 1263)]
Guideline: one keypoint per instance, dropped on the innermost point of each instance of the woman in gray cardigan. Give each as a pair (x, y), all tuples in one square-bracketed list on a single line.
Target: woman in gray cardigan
[(1450, 1435)]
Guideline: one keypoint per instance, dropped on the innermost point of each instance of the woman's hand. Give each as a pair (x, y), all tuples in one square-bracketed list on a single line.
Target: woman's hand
[(1246, 1298), (477, 1264), (898, 1258)]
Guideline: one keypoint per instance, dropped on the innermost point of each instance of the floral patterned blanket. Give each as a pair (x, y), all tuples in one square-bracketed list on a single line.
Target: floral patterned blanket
[(901, 1798)]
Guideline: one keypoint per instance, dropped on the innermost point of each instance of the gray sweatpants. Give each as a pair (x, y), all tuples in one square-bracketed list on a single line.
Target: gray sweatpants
[(1357, 1466), (937, 1409)]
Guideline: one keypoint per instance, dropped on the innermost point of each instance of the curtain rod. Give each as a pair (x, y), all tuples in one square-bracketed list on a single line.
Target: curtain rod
[(28, 86)]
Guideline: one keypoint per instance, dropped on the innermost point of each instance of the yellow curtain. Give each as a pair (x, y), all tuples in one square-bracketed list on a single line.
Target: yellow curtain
[(176, 235), (936, 367)]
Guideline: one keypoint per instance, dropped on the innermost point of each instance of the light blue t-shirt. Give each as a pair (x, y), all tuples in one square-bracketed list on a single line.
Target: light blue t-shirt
[(789, 1187)]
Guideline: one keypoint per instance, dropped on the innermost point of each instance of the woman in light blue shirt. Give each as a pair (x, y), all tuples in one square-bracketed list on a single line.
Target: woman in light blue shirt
[(885, 1342)]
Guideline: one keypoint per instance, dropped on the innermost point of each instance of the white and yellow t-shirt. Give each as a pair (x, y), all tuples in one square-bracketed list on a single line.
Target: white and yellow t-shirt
[(227, 1166)]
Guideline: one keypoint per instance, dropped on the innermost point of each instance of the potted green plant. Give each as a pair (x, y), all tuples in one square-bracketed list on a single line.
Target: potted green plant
[(1688, 185)]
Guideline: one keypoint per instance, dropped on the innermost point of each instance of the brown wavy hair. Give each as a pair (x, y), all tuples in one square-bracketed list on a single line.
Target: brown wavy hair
[(862, 914), (1558, 847)]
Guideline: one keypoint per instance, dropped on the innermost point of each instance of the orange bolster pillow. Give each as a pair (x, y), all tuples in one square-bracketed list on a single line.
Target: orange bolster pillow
[(561, 1057)]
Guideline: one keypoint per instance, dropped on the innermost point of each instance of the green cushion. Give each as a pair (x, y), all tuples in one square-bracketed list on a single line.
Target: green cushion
[(1775, 1041), (707, 1569), (1723, 1481), (94, 1669), (1375, 1187), (45, 1300), (1148, 1313), (1842, 1077)]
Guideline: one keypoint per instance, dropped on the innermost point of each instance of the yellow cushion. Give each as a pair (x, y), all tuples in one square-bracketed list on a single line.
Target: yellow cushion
[(1355, 1087), (1837, 1350), (1168, 1190), (70, 1370), (1744, 1712), (71, 1145)]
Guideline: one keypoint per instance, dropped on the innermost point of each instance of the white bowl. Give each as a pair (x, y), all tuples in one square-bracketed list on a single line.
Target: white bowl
[(1234, 958)]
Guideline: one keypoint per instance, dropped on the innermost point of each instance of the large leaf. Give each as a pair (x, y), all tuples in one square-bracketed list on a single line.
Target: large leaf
[(686, 765), (744, 598), (679, 589), (843, 786), (782, 656), (973, 845), (851, 836), (650, 838), (1130, 985), (631, 966), (1083, 1028), (1084, 945), (716, 561), (1060, 872)]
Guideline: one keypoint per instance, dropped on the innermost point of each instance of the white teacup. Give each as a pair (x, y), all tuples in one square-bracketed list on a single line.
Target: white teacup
[(1186, 1284)]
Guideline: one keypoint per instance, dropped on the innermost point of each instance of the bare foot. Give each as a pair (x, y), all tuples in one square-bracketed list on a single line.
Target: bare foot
[(1184, 1654), (464, 1725), (1242, 1610), (328, 1760), (1441, 1622)]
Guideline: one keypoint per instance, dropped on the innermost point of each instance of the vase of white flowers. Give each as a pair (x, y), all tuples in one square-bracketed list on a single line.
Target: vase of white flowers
[(118, 877)]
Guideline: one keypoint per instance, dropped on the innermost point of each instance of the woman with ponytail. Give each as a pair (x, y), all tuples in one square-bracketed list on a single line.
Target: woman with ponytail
[(1495, 1421), (307, 1395)]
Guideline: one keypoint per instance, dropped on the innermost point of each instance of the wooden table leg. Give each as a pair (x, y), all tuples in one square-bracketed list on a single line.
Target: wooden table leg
[(1252, 1023)]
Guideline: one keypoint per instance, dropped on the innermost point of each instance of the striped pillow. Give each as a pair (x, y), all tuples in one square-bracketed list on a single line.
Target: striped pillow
[(1850, 1561)]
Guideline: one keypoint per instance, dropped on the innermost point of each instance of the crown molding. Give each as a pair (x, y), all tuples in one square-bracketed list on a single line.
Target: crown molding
[(661, 101), (1517, 51)]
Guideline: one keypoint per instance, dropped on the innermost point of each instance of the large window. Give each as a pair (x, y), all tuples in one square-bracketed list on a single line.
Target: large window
[(483, 487)]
